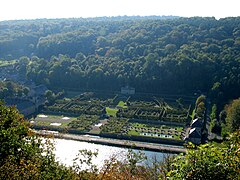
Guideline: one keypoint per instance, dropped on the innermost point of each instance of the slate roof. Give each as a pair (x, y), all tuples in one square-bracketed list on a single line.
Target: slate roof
[(196, 123), (194, 133)]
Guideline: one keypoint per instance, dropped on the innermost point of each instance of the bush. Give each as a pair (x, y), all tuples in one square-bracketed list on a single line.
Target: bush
[(210, 161)]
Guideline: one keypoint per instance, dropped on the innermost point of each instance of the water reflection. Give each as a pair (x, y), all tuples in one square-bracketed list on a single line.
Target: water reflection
[(67, 150)]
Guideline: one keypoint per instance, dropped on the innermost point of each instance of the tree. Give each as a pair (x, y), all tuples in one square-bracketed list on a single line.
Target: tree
[(209, 161), (26, 91), (50, 96), (23, 155), (233, 115), (23, 62), (215, 126), (213, 114), (200, 106), (80, 57), (200, 99)]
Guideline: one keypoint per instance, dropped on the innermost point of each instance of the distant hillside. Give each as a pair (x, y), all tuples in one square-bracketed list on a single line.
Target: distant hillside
[(152, 54), (28, 37)]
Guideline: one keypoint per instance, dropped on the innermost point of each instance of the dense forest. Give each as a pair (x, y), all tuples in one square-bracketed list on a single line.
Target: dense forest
[(151, 54)]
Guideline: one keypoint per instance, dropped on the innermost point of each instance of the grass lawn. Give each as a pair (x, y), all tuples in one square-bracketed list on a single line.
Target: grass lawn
[(122, 104), (111, 111), (95, 131), (133, 133), (46, 121)]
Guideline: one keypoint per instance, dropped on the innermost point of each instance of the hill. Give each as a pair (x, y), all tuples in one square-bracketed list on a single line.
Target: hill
[(151, 54)]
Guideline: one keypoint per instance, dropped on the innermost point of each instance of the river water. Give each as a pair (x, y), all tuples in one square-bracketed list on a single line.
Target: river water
[(67, 150)]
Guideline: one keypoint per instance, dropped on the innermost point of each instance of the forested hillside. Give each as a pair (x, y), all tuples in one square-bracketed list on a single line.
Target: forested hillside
[(152, 54)]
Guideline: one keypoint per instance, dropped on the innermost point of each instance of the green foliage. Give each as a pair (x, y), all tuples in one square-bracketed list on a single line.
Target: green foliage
[(84, 122), (209, 161), (12, 89), (215, 126), (114, 125), (111, 111), (200, 106), (128, 168), (122, 104), (213, 114), (194, 54), (200, 99), (7, 63), (233, 115), (134, 159), (84, 166), (23, 155)]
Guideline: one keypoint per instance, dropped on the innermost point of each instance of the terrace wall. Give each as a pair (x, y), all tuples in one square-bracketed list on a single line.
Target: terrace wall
[(115, 136), (144, 139)]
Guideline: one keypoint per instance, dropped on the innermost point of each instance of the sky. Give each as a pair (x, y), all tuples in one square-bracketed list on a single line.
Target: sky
[(36, 9)]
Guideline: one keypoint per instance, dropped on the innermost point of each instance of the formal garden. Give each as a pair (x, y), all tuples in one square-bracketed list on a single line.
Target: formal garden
[(117, 115)]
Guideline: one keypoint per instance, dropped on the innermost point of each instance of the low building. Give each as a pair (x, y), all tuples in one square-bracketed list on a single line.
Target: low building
[(194, 133), (194, 136), (128, 90), (197, 123)]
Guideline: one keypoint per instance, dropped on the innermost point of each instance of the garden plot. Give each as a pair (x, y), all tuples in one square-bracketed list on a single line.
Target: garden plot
[(127, 113), (96, 128), (76, 108), (152, 114), (114, 126), (86, 103), (55, 107), (143, 104), (52, 120), (114, 111), (84, 123), (95, 109), (154, 110), (138, 117), (157, 131)]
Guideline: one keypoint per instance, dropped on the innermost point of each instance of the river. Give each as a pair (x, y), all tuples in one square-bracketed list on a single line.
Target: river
[(67, 150)]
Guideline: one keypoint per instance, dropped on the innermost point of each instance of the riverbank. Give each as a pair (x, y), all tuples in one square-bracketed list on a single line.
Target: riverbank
[(115, 142)]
